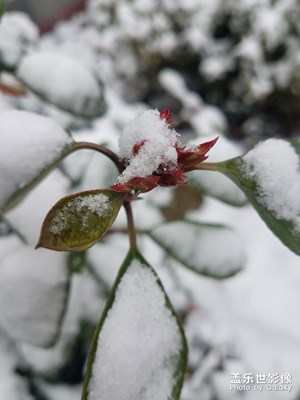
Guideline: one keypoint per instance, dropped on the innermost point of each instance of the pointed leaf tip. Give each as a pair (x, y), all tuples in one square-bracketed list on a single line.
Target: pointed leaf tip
[(139, 349), (77, 221)]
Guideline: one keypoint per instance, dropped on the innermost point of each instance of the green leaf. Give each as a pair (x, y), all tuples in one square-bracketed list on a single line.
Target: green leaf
[(64, 82), (139, 349), (269, 175), (31, 145), (2, 7), (77, 221), (208, 249)]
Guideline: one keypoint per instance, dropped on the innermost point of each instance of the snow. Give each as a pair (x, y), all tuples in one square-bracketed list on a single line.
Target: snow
[(274, 166), (157, 142), (62, 80), (17, 33), (40, 199), (33, 289), (138, 343), (205, 119), (173, 83), (89, 203), (61, 391), (12, 386), (29, 144), (247, 323), (106, 258), (208, 249)]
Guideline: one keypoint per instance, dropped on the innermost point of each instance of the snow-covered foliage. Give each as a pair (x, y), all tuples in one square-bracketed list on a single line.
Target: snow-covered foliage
[(276, 158), (241, 56)]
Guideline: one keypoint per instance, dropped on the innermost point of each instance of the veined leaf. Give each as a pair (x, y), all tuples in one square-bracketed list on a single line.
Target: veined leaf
[(64, 82), (208, 249), (269, 175), (77, 221), (139, 349), (31, 145)]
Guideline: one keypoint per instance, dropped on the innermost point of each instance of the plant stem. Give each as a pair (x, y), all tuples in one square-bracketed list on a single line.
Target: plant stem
[(103, 150), (131, 227), (120, 166), (211, 167)]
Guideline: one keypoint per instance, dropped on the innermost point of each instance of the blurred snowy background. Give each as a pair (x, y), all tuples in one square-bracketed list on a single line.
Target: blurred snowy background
[(225, 68)]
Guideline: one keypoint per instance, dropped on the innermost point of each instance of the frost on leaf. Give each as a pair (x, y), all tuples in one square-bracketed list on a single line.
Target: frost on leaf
[(140, 351), (208, 249), (269, 175), (64, 82), (33, 294), (30, 146), (76, 222)]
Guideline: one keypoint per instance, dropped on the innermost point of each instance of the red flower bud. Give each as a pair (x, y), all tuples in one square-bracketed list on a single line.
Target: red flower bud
[(189, 159), (167, 173), (166, 115)]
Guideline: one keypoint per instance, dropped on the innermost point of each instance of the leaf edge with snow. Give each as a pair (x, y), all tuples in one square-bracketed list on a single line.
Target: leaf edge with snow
[(19, 194), (179, 372), (282, 228)]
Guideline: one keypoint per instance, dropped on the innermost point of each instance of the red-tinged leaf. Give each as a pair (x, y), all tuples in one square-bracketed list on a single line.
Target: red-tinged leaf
[(15, 90), (76, 222), (190, 158), (173, 178), (137, 184), (166, 115), (137, 147)]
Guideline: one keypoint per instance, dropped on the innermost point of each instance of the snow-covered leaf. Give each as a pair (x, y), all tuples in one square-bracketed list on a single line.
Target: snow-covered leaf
[(77, 221), (30, 146), (33, 294), (208, 249), (12, 385), (269, 175), (139, 351), (63, 81), (17, 34)]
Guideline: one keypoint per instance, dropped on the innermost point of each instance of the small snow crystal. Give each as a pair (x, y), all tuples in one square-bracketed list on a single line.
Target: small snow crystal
[(154, 141), (274, 165), (138, 343)]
